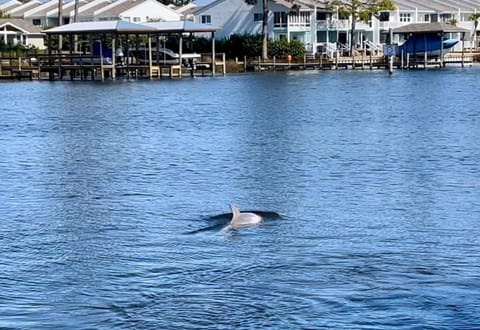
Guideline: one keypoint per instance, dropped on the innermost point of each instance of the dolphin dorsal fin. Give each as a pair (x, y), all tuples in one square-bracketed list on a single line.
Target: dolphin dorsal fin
[(235, 210)]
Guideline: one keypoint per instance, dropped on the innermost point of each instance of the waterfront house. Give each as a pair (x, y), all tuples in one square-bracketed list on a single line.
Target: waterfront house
[(322, 29), (15, 31), (239, 17)]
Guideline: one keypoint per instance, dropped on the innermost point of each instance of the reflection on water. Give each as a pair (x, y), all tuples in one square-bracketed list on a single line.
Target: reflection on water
[(375, 178)]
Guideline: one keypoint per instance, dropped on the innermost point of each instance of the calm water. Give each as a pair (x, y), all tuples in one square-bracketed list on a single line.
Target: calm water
[(106, 190)]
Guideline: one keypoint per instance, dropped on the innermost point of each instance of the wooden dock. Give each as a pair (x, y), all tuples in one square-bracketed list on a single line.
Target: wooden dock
[(358, 63), (75, 67), (85, 67)]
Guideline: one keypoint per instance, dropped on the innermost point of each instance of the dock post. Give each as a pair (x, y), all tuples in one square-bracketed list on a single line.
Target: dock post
[(150, 65), (274, 62), (390, 64), (224, 64), (244, 63), (463, 49), (425, 58), (213, 54)]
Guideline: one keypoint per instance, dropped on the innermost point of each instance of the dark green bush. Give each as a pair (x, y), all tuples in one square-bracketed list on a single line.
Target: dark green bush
[(245, 45)]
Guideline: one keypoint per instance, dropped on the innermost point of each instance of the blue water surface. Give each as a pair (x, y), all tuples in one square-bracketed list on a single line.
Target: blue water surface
[(107, 189)]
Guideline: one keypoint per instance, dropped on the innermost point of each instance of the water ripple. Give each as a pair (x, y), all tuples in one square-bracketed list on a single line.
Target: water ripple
[(106, 206)]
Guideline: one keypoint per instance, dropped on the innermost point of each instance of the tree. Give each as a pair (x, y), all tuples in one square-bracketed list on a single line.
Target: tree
[(360, 10), (475, 18), (264, 26)]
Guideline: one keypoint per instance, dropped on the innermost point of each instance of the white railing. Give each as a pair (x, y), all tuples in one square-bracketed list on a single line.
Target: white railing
[(301, 19)]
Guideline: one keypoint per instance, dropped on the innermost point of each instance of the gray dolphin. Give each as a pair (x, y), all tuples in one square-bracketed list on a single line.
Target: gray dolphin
[(239, 219)]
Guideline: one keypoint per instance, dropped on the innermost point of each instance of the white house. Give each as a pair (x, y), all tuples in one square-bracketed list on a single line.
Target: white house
[(14, 31), (321, 28), (238, 17), (136, 11)]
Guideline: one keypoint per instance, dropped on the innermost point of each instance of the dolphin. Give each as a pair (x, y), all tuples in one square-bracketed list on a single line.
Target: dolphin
[(239, 219)]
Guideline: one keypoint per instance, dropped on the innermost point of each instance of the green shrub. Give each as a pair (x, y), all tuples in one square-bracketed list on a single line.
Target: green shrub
[(282, 48), (246, 45)]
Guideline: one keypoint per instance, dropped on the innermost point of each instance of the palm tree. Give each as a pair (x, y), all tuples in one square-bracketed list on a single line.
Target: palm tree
[(60, 22), (264, 26), (475, 18), (75, 11), (60, 12)]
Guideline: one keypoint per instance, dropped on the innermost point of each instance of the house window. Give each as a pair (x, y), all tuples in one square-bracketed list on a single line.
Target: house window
[(126, 19), (280, 19), (136, 19), (36, 21), (206, 19), (446, 17), (405, 17), (257, 17), (321, 16), (384, 16)]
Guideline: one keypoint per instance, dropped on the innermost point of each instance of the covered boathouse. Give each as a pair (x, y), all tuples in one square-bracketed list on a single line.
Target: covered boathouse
[(428, 43), (104, 49)]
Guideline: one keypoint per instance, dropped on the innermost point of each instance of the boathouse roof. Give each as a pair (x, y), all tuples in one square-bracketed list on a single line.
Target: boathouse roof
[(127, 27), (101, 27), (182, 26), (422, 28)]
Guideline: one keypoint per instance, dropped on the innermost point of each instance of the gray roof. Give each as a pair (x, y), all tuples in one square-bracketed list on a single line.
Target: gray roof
[(116, 10), (20, 10), (90, 11), (101, 27), (446, 6), (421, 28), (42, 10), (20, 24), (182, 26), (67, 7), (9, 5)]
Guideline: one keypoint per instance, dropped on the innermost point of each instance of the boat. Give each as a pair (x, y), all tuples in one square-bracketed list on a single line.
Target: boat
[(433, 45), (164, 56)]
